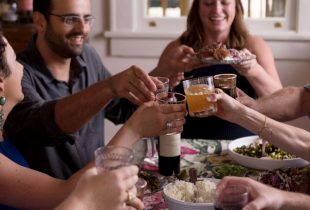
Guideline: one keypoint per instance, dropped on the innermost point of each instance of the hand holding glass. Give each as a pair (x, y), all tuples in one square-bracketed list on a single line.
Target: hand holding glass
[(170, 98), (113, 157), (165, 81), (196, 91), (233, 197)]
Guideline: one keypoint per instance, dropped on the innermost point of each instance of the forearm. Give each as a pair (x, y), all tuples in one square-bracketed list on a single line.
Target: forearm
[(72, 112), (286, 104), (126, 135), (296, 201), (291, 139), (262, 82)]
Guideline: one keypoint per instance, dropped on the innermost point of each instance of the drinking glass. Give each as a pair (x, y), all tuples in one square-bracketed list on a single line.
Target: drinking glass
[(141, 186), (170, 144), (196, 91), (170, 98), (226, 82), (165, 81), (112, 157), (233, 197)]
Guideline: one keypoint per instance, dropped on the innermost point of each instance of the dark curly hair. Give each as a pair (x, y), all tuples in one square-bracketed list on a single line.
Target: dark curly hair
[(194, 34), (4, 68)]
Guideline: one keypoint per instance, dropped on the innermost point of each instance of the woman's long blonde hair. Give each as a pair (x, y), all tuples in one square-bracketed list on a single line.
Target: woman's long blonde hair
[(195, 34)]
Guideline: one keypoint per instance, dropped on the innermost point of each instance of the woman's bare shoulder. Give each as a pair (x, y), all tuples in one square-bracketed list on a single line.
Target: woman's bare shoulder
[(255, 43)]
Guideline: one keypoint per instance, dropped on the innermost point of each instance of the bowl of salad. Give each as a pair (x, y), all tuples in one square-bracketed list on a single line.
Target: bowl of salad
[(247, 151)]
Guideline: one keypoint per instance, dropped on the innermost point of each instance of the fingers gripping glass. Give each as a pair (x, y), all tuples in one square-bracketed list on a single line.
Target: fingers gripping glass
[(72, 20)]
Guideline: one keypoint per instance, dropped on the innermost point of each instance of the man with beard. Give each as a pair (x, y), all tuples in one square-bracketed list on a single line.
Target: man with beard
[(68, 91)]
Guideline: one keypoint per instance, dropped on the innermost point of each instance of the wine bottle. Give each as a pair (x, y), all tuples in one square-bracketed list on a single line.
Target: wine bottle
[(169, 154)]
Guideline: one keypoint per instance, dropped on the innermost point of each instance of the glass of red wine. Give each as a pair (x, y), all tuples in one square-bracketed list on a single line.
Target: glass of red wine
[(233, 197)]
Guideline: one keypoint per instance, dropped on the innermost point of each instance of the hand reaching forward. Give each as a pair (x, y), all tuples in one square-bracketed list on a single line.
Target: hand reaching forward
[(176, 58), (245, 68), (151, 119), (133, 84), (261, 196), (105, 191)]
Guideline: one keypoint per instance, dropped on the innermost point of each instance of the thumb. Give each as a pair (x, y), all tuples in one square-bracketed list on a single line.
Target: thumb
[(240, 93)]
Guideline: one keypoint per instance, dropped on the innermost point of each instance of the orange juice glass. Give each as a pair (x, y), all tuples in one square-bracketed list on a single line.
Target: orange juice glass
[(196, 91)]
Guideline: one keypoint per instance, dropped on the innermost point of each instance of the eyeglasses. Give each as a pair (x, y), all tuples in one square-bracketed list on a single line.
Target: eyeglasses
[(72, 20)]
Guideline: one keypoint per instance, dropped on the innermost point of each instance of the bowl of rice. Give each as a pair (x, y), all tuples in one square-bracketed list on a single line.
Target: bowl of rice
[(182, 195)]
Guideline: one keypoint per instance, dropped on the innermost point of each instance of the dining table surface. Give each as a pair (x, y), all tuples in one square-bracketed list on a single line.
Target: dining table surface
[(207, 158)]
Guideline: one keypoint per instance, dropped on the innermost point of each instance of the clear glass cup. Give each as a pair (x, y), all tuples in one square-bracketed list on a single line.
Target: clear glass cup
[(226, 82), (170, 98), (196, 91), (113, 157), (233, 197), (165, 81)]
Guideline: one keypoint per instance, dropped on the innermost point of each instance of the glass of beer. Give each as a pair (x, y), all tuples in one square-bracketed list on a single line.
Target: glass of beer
[(226, 82), (196, 91)]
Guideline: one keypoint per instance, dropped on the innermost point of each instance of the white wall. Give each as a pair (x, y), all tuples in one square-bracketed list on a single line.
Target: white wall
[(293, 71)]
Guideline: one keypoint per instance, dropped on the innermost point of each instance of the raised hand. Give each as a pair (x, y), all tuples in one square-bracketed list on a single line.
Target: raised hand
[(175, 59), (246, 68), (133, 84), (151, 118), (110, 190)]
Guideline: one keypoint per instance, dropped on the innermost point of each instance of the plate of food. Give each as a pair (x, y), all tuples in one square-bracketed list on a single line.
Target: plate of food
[(247, 151), (183, 195), (220, 54)]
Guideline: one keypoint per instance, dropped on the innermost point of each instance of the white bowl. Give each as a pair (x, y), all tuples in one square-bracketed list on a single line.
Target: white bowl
[(261, 163), (174, 204)]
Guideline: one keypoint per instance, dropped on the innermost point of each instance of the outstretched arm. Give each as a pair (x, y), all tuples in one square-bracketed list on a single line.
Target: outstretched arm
[(150, 119), (286, 104), (291, 139), (266, 197), (260, 72), (25, 188)]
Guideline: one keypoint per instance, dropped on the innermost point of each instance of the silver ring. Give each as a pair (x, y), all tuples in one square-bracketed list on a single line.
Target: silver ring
[(130, 197), (168, 125)]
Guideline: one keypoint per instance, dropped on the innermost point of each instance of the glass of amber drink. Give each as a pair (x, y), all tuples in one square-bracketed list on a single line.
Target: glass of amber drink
[(197, 91)]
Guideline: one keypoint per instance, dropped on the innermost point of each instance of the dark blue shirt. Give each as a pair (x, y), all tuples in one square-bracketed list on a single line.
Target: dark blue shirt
[(214, 127), (10, 151), (31, 125)]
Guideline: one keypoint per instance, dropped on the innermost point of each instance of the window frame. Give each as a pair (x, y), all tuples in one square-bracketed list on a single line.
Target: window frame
[(129, 26)]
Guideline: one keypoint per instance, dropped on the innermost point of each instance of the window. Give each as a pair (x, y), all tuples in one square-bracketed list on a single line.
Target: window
[(252, 9), (259, 14), (168, 8), (151, 24)]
